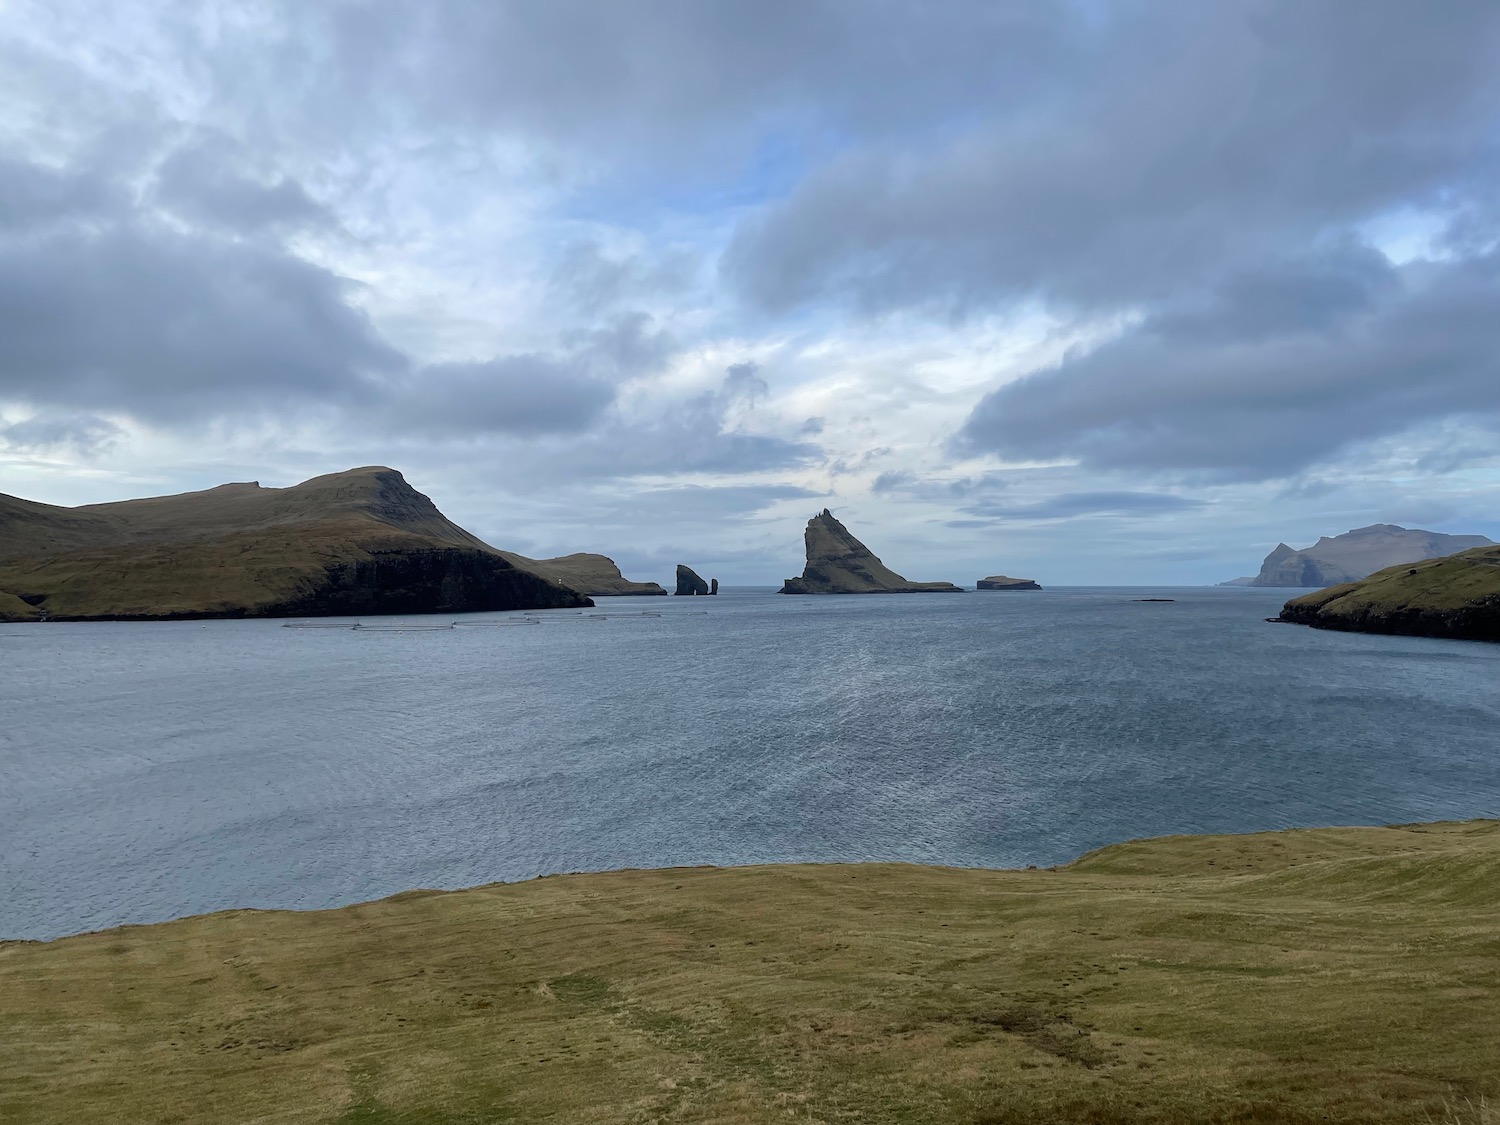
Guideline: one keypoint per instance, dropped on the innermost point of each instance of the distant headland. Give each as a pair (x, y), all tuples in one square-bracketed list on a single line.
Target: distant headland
[(1354, 555), (361, 541)]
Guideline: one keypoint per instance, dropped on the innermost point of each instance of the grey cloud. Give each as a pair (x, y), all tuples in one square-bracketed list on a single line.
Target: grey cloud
[(690, 503), (594, 282), (167, 326), (893, 479), (742, 383), (528, 395), (628, 345), (1189, 136), (521, 395), (208, 181), (1071, 505), (695, 436), (34, 195), (669, 79), (87, 434), (1192, 390)]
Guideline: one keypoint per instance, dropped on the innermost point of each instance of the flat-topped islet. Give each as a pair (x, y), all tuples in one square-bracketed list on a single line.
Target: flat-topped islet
[(1002, 582)]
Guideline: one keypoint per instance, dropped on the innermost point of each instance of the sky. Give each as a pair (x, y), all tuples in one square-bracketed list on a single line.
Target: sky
[(1088, 291)]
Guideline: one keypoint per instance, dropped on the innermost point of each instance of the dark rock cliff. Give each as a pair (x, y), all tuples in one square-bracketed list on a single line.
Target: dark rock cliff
[(838, 563), (688, 582)]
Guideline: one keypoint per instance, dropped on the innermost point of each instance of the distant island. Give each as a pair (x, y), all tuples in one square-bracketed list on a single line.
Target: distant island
[(1354, 555), (838, 563), (1457, 596), (361, 541), (1002, 582)]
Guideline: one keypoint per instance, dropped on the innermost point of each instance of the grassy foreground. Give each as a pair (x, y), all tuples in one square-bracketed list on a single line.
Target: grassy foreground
[(1347, 975)]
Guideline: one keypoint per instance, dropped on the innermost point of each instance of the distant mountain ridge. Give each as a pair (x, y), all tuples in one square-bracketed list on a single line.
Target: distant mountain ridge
[(1357, 554), (360, 541)]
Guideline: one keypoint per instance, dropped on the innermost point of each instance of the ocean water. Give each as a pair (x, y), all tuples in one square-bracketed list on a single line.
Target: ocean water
[(149, 771)]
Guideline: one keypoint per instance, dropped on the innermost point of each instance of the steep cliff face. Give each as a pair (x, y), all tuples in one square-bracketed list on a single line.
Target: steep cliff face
[(1357, 554), (689, 583), (364, 541), (1457, 596), (1001, 582), (838, 563)]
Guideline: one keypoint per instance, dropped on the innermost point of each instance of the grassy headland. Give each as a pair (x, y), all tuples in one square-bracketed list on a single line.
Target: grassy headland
[(1331, 975), (362, 541), (1457, 596)]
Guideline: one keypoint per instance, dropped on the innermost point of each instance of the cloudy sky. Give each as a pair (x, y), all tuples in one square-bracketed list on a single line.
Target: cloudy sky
[(1091, 292)]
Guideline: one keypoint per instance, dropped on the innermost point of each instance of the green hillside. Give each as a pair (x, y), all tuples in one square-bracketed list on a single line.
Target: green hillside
[(1457, 596)]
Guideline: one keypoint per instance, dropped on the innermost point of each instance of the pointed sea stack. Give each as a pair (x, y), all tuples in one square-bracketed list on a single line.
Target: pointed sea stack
[(688, 582), (838, 563)]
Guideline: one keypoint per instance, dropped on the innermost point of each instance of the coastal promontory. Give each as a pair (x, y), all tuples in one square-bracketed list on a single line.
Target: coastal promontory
[(1457, 597), (594, 576), (1356, 554), (361, 541), (1002, 582), (838, 563)]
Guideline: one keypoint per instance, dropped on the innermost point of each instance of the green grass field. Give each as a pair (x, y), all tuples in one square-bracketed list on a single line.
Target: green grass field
[(1337, 975)]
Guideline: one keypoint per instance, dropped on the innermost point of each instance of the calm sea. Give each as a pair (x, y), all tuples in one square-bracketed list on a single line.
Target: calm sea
[(149, 771)]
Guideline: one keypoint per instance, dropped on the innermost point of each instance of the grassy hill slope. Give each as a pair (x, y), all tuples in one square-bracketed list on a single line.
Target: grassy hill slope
[(597, 576), (362, 541), (1339, 974), (1457, 596)]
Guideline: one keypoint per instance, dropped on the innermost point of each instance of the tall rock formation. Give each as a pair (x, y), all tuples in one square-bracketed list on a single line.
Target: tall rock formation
[(362, 541), (1357, 554), (689, 584), (838, 563)]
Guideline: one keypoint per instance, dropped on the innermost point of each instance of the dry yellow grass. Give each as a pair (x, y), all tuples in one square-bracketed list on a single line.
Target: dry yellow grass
[(1348, 975)]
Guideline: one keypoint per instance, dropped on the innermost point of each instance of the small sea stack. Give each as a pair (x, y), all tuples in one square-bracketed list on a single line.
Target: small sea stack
[(1002, 582)]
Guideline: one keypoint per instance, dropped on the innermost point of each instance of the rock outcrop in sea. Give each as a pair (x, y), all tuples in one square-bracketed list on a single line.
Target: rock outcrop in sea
[(1357, 554), (1457, 596), (357, 542), (838, 563), (690, 584), (1001, 582)]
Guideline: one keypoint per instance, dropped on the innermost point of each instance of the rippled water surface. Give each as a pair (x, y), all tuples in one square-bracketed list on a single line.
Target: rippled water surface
[(153, 770)]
